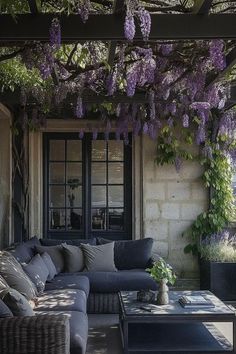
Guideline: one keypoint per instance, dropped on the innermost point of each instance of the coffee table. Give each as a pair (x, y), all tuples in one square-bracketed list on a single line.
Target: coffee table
[(173, 329)]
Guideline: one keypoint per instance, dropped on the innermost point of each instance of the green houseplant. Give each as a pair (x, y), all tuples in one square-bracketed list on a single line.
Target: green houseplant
[(163, 274)]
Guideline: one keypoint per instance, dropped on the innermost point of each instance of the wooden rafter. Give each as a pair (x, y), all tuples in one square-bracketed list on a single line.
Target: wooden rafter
[(202, 7), (111, 27)]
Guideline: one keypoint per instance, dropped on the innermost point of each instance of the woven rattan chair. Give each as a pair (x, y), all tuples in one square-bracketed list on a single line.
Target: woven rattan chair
[(40, 334)]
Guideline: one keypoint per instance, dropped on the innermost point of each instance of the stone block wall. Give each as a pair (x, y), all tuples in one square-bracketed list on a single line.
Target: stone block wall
[(171, 202)]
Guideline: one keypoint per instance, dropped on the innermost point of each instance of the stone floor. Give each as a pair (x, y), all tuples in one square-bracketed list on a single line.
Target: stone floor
[(104, 336)]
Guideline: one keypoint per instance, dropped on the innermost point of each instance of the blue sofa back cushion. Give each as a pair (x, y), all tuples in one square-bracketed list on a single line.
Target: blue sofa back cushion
[(76, 242), (131, 254), (24, 251)]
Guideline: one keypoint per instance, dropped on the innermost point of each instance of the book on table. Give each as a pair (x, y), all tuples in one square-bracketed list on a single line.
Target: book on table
[(195, 301)]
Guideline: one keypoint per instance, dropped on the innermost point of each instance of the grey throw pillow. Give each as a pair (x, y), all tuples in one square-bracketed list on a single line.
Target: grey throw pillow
[(99, 258), (74, 258), (50, 265), (4, 310), (37, 271), (12, 272), (17, 303), (56, 254)]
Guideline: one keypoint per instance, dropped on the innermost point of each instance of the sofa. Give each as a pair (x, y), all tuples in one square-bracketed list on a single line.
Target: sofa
[(67, 297)]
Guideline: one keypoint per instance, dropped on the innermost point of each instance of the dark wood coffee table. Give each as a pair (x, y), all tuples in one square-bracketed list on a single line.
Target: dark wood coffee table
[(172, 328)]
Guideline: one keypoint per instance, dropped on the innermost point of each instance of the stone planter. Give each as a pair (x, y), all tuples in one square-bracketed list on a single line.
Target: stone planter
[(219, 278), (163, 293)]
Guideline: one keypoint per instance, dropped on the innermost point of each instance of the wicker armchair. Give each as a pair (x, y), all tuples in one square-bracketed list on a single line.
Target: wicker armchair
[(40, 334)]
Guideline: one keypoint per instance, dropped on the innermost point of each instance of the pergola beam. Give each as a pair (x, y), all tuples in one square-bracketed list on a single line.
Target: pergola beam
[(111, 27), (202, 7)]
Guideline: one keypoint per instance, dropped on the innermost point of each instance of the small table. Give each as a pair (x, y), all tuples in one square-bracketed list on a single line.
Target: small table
[(172, 328)]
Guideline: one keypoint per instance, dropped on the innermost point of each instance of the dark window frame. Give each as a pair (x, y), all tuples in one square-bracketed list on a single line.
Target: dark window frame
[(87, 231)]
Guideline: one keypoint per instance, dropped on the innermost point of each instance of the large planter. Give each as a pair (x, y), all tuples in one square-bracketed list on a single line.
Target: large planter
[(219, 278)]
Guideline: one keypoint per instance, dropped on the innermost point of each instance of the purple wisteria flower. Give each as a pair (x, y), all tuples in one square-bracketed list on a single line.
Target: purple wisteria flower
[(131, 78), (145, 23), (217, 55), (201, 134), (185, 120), (83, 10), (200, 106), (111, 83), (145, 128), (129, 27), (166, 49), (79, 108), (55, 33)]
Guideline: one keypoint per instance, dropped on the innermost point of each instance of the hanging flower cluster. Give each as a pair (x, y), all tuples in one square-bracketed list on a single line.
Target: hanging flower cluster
[(135, 10)]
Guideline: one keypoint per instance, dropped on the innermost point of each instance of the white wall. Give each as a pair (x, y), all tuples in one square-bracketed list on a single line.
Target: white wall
[(5, 177)]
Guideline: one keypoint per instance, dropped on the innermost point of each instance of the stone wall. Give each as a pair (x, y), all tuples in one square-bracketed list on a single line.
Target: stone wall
[(171, 202)]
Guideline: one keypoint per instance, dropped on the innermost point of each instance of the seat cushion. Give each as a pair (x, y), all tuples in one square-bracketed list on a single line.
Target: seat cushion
[(107, 282), (78, 329), (76, 242), (62, 300), (69, 281), (131, 254)]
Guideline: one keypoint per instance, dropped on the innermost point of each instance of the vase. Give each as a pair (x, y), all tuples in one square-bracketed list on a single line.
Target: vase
[(163, 293)]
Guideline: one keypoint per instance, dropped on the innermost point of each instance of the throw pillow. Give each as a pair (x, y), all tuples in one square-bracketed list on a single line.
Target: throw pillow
[(15, 277), (37, 271), (17, 303), (99, 258), (4, 310), (74, 258), (50, 265), (56, 254), (131, 254)]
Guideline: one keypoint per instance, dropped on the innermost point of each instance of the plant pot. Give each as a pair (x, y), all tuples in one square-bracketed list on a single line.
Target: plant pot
[(219, 278), (163, 293)]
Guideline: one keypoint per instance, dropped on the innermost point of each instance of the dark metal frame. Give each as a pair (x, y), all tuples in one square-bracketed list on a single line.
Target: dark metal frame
[(87, 232)]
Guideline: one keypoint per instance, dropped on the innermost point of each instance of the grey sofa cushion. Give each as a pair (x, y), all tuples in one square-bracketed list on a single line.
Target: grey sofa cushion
[(74, 258), (78, 329), (50, 265), (56, 254), (76, 242), (37, 271), (130, 280), (99, 258), (131, 254), (4, 310), (62, 300), (12, 272), (17, 303), (69, 281)]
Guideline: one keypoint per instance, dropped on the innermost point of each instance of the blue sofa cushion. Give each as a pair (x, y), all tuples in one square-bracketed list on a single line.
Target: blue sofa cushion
[(76, 242), (62, 300), (131, 254), (69, 281), (78, 329), (107, 282), (4, 310)]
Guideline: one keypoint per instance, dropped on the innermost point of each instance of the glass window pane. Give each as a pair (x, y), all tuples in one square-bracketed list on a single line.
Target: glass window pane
[(74, 173), (56, 172), (74, 150), (57, 196), (98, 196), (99, 148), (57, 150), (116, 219), (74, 219), (98, 172), (99, 219), (116, 196), (57, 219), (115, 173), (74, 197), (115, 150)]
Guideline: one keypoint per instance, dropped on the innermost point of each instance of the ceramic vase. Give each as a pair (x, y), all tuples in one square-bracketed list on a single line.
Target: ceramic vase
[(163, 293)]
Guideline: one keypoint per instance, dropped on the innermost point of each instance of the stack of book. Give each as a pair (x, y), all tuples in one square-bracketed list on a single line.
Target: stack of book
[(195, 301)]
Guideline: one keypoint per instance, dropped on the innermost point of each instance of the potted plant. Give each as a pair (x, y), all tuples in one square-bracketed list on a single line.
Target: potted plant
[(163, 274), (218, 265)]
